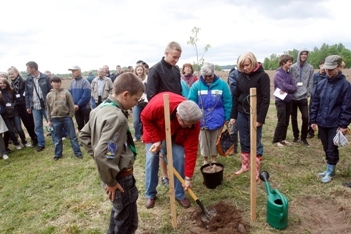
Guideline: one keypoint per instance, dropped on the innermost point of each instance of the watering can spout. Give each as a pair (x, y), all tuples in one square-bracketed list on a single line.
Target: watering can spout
[(264, 176)]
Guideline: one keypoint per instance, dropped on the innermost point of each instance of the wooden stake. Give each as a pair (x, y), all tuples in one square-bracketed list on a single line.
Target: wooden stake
[(170, 160), (253, 150)]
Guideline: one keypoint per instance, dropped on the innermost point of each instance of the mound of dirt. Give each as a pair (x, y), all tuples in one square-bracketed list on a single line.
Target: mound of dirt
[(227, 219)]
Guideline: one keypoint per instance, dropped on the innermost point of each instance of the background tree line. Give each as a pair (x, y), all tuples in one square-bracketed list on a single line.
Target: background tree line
[(314, 56), (271, 63)]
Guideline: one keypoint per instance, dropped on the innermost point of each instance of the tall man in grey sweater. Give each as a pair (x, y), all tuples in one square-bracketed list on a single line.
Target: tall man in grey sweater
[(302, 73)]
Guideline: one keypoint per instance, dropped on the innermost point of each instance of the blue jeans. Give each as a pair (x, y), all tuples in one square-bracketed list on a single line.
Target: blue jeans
[(38, 125), (151, 171), (137, 122), (124, 213), (68, 124), (244, 133), (93, 103)]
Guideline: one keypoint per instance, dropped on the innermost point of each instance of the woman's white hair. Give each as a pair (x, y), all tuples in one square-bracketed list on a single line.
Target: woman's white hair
[(207, 69)]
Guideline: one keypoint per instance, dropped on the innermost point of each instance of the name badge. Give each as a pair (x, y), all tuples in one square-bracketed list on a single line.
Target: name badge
[(18, 95), (299, 83), (8, 104)]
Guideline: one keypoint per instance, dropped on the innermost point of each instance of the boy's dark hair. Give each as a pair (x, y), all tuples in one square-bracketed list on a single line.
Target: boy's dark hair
[(322, 61), (56, 79), (32, 64), (285, 58), (128, 81)]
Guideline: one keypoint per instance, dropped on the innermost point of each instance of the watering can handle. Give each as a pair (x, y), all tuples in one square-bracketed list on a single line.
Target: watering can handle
[(284, 201)]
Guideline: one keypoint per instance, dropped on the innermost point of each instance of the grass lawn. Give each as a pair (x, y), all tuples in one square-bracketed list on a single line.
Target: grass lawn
[(40, 195)]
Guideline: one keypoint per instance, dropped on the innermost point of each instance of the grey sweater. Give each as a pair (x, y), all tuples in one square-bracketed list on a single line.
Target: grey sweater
[(302, 73)]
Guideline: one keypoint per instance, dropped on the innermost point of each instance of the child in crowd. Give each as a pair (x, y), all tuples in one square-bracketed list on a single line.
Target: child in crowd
[(108, 139), (60, 111)]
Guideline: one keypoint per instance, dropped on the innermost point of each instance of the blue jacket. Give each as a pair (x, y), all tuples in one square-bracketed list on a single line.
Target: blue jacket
[(215, 101), (45, 86), (80, 90), (316, 78), (185, 88), (284, 81), (90, 78), (331, 105), (232, 79)]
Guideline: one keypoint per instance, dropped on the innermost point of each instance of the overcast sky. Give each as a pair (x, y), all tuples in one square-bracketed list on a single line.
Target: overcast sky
[(60, 33)]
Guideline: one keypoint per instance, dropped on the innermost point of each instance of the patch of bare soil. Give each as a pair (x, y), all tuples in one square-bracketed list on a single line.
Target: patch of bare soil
[(226, 219), (317, 215)]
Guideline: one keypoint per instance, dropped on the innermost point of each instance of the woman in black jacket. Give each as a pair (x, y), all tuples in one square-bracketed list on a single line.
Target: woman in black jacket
[(11, 118), (18, 86), (251, 75)]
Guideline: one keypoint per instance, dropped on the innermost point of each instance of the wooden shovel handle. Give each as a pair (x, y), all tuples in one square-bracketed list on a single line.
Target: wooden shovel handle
[(190, 191)]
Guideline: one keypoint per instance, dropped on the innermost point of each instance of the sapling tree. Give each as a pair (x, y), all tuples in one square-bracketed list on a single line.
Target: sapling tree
[(193, 41)]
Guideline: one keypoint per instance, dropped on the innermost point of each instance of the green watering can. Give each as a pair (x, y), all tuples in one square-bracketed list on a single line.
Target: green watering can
[(277, 205)]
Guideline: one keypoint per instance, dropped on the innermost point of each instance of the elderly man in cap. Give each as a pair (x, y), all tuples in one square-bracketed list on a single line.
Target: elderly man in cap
[(331, 111), (37, 86), (185, 129), (80, 90)]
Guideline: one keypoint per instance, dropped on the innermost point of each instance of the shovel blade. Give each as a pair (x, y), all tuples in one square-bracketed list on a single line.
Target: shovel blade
[(207, 215)]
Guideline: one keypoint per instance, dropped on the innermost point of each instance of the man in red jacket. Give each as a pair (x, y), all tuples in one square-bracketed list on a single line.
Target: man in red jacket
[(185, 129)]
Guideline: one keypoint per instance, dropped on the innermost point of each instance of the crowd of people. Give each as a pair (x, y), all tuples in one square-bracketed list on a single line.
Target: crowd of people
[(199, 108)]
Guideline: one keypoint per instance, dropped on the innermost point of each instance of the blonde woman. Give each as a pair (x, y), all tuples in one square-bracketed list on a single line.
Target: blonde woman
[(18, 86), (140, 72), (251, 75)]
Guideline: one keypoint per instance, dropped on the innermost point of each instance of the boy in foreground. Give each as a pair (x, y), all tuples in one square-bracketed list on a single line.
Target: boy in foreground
[(108, 140), (60, 111)]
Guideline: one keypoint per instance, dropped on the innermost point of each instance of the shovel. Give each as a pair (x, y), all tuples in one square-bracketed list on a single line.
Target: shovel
[(206, 214)]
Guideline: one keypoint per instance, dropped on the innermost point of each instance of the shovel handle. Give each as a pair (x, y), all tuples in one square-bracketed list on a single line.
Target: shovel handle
[(190, 191)]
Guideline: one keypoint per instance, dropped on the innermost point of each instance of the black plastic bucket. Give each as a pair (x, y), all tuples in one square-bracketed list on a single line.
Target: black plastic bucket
[(212, 179)]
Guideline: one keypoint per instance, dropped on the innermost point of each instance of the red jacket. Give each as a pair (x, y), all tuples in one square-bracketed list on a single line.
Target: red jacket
[(153, 120)]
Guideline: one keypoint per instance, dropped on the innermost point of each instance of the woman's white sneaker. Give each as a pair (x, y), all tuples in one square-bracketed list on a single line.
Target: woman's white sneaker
[(5, 157)]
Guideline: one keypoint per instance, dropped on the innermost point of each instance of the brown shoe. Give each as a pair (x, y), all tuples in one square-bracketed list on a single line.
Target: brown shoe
[(184, 203), (150, 203)]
